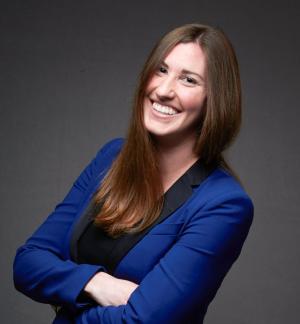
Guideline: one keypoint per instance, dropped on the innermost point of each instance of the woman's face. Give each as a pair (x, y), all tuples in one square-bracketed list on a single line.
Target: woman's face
[(176, 93)]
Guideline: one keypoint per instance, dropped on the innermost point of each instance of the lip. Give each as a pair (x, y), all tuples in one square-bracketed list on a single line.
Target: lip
[(159, 115), (162, 104)]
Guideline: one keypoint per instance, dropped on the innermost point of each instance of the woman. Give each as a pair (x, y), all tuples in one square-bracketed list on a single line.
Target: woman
[(153, 224)]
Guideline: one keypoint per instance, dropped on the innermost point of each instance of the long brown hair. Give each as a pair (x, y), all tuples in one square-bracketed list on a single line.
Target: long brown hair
[(131, 194)]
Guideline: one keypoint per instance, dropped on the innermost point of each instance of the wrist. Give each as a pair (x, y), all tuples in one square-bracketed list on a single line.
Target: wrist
[(94, 282)]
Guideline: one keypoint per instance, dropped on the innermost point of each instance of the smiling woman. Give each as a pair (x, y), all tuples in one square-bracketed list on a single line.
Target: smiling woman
[(164, 195), (175, 95)]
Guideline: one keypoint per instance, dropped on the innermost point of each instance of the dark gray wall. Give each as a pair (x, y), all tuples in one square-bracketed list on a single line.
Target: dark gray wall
[(68, 71)]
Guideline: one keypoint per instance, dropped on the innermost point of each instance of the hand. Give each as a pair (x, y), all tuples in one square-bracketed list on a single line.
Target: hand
[(107, 290)]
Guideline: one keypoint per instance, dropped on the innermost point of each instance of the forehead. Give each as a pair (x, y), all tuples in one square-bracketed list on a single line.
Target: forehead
[(186, 56)]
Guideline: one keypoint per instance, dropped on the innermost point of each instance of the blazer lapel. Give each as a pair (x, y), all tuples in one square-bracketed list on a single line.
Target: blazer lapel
[(182, 189), (176, 196)]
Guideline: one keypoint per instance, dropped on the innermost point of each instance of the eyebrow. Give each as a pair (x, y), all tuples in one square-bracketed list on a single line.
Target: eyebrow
[(185, 71)]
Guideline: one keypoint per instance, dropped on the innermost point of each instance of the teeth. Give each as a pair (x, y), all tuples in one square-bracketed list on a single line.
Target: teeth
[(164, 109)]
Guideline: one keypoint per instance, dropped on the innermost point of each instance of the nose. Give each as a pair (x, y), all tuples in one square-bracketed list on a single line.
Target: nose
[(166, 88)]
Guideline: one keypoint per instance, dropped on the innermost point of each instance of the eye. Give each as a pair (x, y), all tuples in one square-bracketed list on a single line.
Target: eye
[(162, 69), (190, 80)]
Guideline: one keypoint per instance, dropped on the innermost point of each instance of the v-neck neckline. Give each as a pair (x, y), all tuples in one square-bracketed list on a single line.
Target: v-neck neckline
[(190, 168)]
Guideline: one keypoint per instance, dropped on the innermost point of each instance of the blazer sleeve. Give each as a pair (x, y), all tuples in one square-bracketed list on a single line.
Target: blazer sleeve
[(189, 274), (41, 269)]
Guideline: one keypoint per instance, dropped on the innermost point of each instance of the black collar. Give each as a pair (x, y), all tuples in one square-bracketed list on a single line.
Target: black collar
[(174, 197)]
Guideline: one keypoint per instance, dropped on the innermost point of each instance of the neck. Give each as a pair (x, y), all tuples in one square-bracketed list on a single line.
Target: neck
[(175, 157)]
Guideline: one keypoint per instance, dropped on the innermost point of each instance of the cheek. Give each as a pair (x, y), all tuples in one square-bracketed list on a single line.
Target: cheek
[(152, 84), (193, 102)]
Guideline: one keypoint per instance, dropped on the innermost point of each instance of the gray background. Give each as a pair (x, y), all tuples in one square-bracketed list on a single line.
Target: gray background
[(68, 71)]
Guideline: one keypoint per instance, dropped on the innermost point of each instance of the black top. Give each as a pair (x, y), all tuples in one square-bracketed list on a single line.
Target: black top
[(95, 246), (91, 245)]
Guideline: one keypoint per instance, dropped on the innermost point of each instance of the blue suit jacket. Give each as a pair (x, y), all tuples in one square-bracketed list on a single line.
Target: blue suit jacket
[(178, 263)]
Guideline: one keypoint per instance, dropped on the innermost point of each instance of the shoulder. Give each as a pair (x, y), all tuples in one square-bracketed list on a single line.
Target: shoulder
[(221, 182), (109, 150), (221, 190), (113, 146), (104, 157)]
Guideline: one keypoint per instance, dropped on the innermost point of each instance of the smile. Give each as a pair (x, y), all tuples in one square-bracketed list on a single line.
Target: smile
[(166, 110)]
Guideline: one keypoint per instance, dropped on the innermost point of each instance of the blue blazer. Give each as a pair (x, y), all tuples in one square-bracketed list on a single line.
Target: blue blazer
[(178, 263)]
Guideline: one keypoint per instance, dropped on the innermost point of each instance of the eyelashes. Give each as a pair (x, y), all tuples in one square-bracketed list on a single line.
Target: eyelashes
[(191, 80), (161, 70)]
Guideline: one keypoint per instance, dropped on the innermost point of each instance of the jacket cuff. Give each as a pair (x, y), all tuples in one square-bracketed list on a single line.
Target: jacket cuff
[(86, 272)]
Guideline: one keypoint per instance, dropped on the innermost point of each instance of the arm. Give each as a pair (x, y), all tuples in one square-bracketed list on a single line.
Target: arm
[(190, 273), (41, 268), (108, 290)]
